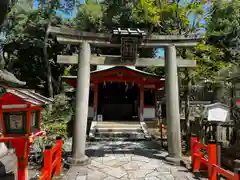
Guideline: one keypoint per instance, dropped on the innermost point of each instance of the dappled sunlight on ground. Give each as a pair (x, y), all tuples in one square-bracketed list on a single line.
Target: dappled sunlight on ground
[(139, 160)]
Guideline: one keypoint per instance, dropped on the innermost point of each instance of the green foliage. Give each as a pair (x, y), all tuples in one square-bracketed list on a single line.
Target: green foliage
[(54, 122), (60, 104), (223, 28), (146, 11), (90, 17), (23, 47)]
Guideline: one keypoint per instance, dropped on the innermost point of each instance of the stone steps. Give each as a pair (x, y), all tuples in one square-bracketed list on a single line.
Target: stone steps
[(118, 122), (117, 130), (118, 125), (117, 135)]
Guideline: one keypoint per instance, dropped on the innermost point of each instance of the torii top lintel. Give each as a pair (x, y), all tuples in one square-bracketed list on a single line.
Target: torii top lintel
[(67, 35)]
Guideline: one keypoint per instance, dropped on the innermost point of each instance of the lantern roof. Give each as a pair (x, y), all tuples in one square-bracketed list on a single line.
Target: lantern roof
[(19, 96)]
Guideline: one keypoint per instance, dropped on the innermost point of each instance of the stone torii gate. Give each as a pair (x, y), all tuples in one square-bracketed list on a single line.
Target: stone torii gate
[(130, 41)]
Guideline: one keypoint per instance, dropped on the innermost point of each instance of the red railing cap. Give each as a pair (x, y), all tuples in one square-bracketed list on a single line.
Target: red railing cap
[(211, 141), (48, 147), (58, 138)]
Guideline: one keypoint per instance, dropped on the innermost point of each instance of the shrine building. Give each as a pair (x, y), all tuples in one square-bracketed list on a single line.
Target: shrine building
[(121, 93)]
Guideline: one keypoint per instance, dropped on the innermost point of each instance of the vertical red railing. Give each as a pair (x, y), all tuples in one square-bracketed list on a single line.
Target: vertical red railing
[(213, 170), (212, 160), (59, 155), (52, 161)]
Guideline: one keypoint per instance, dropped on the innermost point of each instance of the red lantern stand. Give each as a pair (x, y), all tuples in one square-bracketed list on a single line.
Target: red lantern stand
[(20, 126)]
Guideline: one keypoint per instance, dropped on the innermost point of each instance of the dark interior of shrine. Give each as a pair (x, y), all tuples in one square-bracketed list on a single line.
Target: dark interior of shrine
[(118, 101)]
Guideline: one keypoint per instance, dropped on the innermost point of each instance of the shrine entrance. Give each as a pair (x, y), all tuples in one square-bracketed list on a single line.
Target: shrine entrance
[(129, 42), (118, 101)]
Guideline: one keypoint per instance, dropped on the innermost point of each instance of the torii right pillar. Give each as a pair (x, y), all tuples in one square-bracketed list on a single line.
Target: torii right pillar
[(172, 105)]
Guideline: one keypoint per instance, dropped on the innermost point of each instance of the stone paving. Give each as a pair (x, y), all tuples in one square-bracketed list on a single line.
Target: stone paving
[(121, 160)]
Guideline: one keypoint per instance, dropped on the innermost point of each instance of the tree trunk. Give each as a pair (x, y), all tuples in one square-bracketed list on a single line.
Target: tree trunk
[(187, 108), (47, 64), (4, 4)]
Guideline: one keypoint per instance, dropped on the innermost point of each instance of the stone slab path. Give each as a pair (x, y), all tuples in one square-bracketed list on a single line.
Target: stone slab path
[(121, 160)]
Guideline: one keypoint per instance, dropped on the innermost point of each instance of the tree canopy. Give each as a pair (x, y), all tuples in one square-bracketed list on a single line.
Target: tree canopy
[(25, 32)]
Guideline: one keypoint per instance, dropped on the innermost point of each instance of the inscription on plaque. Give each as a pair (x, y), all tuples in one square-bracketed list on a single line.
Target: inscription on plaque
[(16, 121), (128, 48)]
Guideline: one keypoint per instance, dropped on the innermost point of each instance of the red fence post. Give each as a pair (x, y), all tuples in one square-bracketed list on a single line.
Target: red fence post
[(212, 159), (195, 150), (59, 156), (22, 149), (237, 174), (48, 155)]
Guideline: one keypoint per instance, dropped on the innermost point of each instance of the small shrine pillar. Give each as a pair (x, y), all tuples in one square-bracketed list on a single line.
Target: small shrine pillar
[(172, 104), (82, 98), (95, 101), (141, 108)]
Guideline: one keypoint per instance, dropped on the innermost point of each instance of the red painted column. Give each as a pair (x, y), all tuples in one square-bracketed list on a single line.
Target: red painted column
[(194, 150), (48, 157), (95, 101), (22, 150), (59, 156), (141, 108), (212, 159)]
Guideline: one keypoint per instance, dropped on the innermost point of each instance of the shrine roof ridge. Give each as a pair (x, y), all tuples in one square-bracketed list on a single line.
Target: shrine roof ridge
[(115, 67), (75, 33), (216, 104), (126, 67)]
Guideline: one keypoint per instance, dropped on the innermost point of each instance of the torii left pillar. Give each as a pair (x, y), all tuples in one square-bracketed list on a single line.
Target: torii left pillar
[(81, 109), (172, 106)]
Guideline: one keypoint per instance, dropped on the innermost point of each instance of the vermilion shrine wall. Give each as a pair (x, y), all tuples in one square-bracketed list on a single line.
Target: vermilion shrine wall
[(144, 81)]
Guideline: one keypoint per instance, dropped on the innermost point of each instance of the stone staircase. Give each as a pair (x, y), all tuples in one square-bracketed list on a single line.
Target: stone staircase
[(126, 130)]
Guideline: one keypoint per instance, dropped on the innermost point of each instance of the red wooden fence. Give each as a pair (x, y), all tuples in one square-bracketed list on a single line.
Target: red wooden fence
[(213, 170), (52, 161)]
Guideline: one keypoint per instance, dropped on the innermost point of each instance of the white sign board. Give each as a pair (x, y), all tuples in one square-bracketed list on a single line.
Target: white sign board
[(99, 117), (217, 114)]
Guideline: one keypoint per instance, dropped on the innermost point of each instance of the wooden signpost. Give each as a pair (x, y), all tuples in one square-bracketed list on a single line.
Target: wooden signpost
[(217, 114)]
